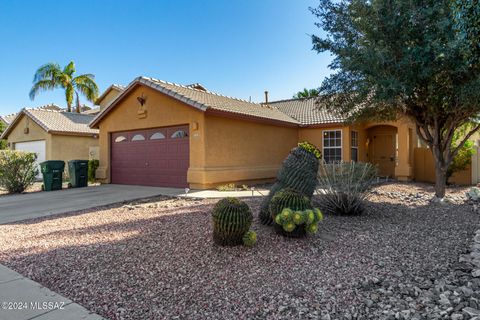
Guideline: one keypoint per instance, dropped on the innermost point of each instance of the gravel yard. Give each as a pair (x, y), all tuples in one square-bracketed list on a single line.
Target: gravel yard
[(156, 259)]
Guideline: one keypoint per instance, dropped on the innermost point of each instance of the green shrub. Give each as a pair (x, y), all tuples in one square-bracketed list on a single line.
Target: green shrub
[(231, 220), (17, 170), (298, 172), (289, 209), (92, 167), (344, 186)]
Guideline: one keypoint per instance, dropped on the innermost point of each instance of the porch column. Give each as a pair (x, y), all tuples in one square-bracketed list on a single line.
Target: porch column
[(404, 168)]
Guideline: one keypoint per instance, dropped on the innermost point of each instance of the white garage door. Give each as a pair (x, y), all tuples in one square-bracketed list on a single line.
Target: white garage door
[(39, 147)]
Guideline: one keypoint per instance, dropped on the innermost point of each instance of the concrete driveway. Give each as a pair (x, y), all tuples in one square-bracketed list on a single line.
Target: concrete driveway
[(14, 208)]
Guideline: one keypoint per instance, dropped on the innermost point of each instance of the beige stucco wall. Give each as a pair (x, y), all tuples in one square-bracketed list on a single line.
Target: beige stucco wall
[(71, 147), (242, 151), (35, 133)]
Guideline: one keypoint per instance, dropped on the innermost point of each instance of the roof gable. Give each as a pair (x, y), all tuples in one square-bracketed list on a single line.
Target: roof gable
[(202, 100)]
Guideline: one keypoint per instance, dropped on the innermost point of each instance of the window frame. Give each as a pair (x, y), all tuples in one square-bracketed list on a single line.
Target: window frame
[(352, 146), (335, 147)]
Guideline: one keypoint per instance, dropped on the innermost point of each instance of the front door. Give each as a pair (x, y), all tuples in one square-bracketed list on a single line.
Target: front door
[(383, 154)]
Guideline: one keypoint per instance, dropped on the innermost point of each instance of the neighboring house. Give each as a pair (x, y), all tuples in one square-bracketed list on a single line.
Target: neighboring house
[(52, 134), (163, 134), (105, 98), (6, 120)]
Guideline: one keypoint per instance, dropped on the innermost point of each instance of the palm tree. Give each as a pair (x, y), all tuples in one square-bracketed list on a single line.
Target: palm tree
[(306, 93), (51, 76)]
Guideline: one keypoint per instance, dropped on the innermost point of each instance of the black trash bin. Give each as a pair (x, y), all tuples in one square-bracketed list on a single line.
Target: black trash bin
[(52, 172), (78, 172)]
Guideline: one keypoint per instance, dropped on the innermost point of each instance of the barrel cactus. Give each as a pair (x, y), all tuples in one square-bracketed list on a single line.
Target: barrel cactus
[(298, 172), (231, 221), (250, 238), (288, 209)]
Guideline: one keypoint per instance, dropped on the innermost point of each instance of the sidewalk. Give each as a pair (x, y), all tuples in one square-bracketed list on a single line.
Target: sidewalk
[(24, 299)]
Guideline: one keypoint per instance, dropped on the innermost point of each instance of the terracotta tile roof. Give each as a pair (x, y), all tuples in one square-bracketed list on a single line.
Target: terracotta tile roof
[(307, 111), (57, 122), (206, 100)]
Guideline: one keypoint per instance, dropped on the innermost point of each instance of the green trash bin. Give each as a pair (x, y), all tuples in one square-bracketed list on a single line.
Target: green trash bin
[(78, 172), (52, 172)]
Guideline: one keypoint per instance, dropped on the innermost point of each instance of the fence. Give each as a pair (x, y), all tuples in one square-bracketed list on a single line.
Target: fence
[(424, 168)]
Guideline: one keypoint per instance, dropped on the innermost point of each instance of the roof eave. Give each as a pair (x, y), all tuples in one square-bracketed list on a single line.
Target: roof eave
[(71, 133), (241, 116)]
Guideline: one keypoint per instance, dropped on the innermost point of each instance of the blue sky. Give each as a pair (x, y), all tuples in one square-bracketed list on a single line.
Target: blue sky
[(238, 47)]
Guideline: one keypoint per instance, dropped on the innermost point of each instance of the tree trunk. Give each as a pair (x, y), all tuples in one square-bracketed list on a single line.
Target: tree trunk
[(440, 180)]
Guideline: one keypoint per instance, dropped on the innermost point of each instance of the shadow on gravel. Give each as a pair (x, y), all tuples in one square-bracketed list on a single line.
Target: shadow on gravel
[(148, 263)]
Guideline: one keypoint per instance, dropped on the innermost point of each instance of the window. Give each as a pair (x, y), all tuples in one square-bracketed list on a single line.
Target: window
[(332, 146), (157, 136), (354, 145), (138, 137), (120, 139), (179, 134)]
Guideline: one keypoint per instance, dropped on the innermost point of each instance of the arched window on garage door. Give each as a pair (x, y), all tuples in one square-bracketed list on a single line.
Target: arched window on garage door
[(120, 139), (179, 134), (138, 137), (157, 136)]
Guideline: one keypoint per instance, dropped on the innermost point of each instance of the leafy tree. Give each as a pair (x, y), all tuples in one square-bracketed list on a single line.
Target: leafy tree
[(306, 93), (51, 76), (403, 58), (464, 156), (3, 143)]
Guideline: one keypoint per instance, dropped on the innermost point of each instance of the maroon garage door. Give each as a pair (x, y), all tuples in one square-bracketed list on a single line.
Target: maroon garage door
[(153, 157)]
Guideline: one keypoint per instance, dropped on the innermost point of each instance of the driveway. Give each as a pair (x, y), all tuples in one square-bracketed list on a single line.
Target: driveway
[(40, 204)]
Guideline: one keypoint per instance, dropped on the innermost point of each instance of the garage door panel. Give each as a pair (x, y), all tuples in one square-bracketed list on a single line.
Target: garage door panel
[(153, 158), (37, 147)]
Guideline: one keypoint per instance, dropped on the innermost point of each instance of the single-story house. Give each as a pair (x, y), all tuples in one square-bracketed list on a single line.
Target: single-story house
[(159, 133), (53, 134)]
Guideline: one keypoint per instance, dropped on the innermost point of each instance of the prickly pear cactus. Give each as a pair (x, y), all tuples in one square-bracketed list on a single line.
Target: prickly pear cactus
[(231, 220), (298, 172)]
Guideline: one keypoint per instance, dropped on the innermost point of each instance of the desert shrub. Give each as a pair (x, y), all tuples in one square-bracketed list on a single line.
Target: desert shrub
[(291, 212), (227, 187), (18, 170), (298, 172), (344, 186), (92, 167), (231, 220), (462, 159)]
